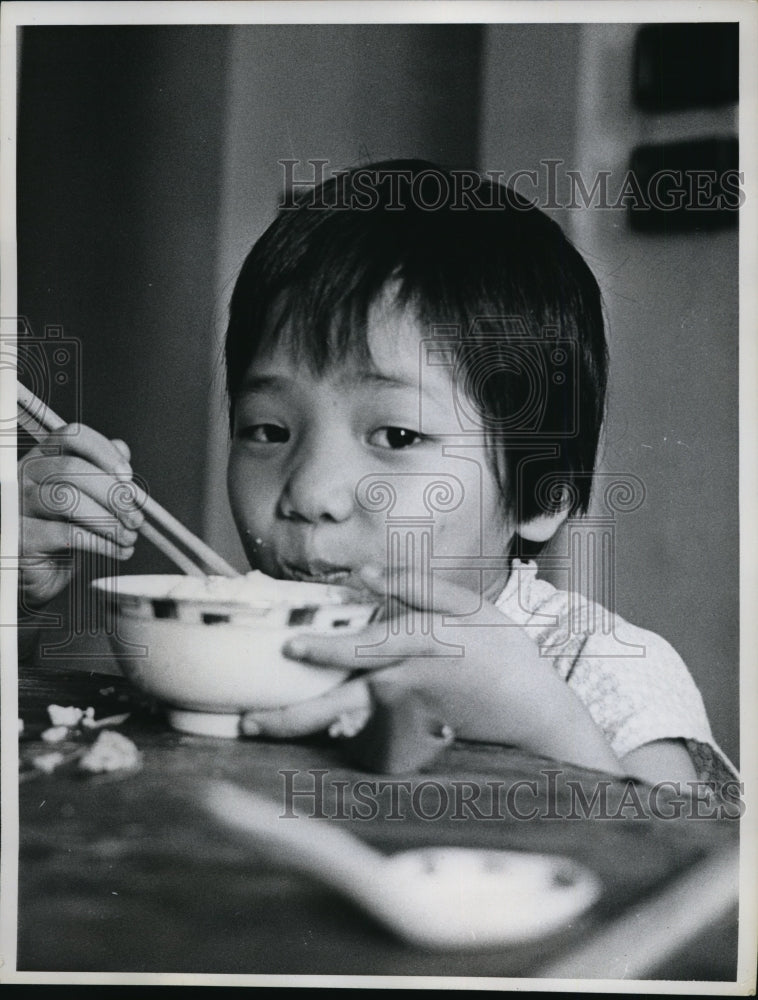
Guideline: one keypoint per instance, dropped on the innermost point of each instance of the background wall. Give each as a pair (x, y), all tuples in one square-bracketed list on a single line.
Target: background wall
[(673, 309), (119, 164), (148, 166), (564, 92)]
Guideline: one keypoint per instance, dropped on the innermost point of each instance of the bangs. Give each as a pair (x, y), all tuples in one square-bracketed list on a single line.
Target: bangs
[(499, 277), (311, 333), (310, 281), (308, 287)]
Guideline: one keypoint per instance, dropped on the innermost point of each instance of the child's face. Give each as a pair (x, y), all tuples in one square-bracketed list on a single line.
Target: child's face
[(302, 444)]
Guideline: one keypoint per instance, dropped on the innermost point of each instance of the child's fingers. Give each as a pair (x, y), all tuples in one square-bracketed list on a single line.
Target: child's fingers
[(412, 632), (371, 649), (423, 590), (309, 716), (51, 537)]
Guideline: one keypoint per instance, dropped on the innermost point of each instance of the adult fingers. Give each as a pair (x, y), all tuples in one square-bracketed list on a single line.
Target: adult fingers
[(123, 448), (51, 537), (78, 439), (309, 716), (67, 486)]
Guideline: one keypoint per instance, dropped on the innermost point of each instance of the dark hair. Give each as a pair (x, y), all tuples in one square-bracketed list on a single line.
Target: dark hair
[(465, 253)]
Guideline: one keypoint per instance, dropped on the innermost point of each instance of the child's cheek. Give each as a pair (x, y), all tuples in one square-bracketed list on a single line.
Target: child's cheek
[(233, 483), (242, 488)]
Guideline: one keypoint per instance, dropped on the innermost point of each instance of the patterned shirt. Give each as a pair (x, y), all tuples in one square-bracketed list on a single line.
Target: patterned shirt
[(634, 684)]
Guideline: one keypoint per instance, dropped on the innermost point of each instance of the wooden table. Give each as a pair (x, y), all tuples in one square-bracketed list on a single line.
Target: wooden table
[(126, 872)]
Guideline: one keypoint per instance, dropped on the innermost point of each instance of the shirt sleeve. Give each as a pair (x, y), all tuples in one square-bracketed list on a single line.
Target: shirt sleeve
[(633, 682), (637, 690)]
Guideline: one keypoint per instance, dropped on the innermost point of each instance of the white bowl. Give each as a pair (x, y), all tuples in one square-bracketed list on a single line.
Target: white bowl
[(210, 649)]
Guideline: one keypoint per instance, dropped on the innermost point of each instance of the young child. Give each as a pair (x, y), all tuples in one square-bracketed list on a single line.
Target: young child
[(398, 327)]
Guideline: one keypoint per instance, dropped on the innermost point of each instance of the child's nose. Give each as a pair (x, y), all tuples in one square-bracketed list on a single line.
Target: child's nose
[(320, 487)]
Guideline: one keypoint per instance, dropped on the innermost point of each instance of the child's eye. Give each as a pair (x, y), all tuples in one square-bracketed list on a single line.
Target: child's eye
[(265, 434), (394, 438)]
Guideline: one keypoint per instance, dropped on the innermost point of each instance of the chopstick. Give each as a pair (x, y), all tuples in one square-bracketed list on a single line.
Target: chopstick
[(644, 937), (40, 419), (39, 430)]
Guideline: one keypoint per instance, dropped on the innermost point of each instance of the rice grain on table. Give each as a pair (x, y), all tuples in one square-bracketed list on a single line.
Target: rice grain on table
[(111, 751), (60, 716), (55, 734)]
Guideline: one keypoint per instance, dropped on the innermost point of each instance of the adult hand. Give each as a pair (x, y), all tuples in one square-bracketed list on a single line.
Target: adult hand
[(66, 482)]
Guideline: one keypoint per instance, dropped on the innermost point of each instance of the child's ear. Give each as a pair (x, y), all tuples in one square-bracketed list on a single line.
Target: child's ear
[(543, 527)]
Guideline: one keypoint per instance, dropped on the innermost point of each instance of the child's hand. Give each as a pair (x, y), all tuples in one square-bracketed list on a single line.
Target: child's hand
[(67, 480), (500, 690)]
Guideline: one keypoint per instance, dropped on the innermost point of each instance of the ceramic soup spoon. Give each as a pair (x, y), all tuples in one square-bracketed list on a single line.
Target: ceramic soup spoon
[(440, 897)]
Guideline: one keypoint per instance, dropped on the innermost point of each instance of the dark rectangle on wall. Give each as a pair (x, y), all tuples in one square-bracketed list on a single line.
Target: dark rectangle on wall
[(679, 66), (685, 186)]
